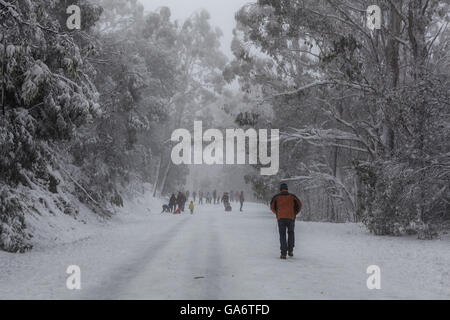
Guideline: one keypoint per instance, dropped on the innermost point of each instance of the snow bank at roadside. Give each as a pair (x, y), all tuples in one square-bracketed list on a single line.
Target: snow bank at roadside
[(143, 254), (52, 220)]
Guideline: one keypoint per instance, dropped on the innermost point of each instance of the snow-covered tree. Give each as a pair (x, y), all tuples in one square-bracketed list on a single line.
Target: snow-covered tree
[(347, 98), (47, 93)]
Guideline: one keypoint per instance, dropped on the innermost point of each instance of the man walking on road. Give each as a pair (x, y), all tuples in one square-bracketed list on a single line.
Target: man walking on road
[(286, 206)]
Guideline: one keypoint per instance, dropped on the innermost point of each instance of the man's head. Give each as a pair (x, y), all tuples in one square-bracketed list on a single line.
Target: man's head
[(283, 187)]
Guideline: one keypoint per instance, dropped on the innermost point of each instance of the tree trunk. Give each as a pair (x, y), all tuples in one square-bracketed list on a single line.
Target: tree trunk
[(417, 31), (155, 185), (4, 75), (166, 174), (392, 57)]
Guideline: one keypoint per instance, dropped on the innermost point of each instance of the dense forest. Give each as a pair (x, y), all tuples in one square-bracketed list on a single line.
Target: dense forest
[(86, 115), (364, 113)]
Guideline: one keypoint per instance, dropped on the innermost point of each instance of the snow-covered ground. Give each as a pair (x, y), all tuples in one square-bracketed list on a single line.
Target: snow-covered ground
[(142, 254)]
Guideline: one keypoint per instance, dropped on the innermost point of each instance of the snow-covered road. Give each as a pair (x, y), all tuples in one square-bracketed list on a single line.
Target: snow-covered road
[(217, 255)]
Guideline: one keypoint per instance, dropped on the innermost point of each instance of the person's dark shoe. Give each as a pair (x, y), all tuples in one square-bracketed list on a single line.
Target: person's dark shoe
[(291, 253), (283, 257)]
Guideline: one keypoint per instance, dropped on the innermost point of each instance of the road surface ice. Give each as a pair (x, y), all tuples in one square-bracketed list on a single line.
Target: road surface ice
[(221, 255)]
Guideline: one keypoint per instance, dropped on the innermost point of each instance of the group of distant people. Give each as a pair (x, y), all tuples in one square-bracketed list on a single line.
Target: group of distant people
[(284, 205), (227, 198), (177, 202)]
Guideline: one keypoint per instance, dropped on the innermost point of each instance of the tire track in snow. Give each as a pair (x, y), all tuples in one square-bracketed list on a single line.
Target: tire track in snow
[(201, 263), (214, 264), (116, 282), (200, 267)]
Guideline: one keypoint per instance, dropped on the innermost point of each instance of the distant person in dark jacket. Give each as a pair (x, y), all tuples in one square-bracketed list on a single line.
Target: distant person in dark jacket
[(194, 195), (214, 196), (286, 206), (181, 198), (200, 197), (226, 200), (172, 203), (241, 199)]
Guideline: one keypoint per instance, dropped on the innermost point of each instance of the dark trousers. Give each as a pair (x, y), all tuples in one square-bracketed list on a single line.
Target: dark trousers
[(241, 206), (286, 226)]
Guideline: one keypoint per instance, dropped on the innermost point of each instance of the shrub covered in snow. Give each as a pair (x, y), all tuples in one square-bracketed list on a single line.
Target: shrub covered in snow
[(13, 234), (47, 95)]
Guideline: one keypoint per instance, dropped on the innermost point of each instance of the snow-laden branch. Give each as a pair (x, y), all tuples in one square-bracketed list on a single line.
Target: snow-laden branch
[(324, 138), (306, 87), (315, 177), (324, 83), (54, 153), (12, 10), (332, 111)]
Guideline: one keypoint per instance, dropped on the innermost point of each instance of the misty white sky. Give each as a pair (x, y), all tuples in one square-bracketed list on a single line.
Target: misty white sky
[(222, 13)]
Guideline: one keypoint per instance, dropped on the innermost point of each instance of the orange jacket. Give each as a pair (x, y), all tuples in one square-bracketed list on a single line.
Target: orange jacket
[(285, 205)]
